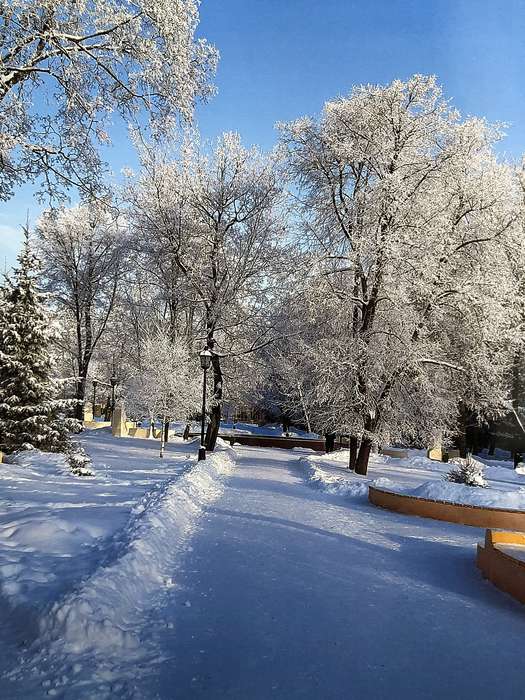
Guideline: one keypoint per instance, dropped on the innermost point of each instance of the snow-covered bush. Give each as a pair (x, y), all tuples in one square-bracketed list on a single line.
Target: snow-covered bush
[(468, 472), (78, 459)]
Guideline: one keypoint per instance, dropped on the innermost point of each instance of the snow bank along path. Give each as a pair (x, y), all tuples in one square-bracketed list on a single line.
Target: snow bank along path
[(290, 592), (91, 641), (410, 477)]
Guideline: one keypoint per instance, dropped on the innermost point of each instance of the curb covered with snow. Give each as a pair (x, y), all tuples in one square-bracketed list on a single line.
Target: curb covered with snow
[(460, 494), (94, 633), (459, 513)]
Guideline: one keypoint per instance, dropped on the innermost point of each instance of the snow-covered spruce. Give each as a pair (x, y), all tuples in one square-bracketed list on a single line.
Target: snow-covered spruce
[(468, 471), (91, 641), (30, 410), (78, 459)]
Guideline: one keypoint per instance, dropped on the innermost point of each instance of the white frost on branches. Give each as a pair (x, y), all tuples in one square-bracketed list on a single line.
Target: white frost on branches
[(412, 228), (67, 67), (168, 383)]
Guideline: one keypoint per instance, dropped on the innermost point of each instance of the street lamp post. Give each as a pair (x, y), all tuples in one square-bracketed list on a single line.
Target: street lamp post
[(205, 358)]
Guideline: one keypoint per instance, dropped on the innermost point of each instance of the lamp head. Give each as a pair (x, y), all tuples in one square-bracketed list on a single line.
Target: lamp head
[(205, 358)]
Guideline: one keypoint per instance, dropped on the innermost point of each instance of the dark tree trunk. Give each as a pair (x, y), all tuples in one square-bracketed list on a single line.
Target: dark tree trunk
[(80, 395), (212, 431), (166, 429), (354, 446), (361, 465), (107, 409)]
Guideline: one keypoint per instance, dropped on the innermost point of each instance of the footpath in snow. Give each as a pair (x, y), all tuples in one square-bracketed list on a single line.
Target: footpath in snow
[(251, 583), (291, 592)]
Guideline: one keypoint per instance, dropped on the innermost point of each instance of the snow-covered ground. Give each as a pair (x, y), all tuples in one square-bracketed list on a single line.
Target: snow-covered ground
[(82, 559), (419, 476), (54, 526), (156, 580), (299, 594), (242, 428), (272, 429)]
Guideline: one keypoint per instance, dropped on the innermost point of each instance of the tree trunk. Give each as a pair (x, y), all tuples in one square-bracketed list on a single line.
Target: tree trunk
[(361, 465), (354, 445), (151, 430), (303, 406), (162, 437), (212, 431), (166, 430), (107, 409), (80, 395)]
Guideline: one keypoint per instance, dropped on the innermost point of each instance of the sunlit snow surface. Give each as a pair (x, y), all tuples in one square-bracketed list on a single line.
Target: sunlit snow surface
[(160, 580), (417, 476), (85, 559), (49, 517)]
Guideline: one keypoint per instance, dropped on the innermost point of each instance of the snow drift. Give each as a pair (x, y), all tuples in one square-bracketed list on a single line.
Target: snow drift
[(319, 476), (415, 475), (94, 633)]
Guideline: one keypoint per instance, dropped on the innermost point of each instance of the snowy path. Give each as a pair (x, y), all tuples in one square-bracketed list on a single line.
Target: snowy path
[(292, 593)]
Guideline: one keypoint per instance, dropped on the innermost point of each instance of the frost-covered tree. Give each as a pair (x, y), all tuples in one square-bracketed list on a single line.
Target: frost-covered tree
[(67, 67), (83, 251), (168, 383), (411, 222), (31, 414), (215, 221)]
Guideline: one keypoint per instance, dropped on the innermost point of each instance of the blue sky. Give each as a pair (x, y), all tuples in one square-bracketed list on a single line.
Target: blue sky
[(281, 59)]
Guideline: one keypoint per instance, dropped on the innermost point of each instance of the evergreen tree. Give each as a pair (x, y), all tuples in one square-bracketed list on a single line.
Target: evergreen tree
[(30, 410), (469, 472)]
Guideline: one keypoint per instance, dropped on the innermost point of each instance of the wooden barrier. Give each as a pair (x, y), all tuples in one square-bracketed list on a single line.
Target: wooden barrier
[(394, 452), (476, 516), (501, 560), (138, 432), (286, 443), (439, 454), (121, 428), (94, 424)]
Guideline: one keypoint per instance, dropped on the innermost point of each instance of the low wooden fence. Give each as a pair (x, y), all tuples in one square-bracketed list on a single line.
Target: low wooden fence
[(285, 443), (476, 516)]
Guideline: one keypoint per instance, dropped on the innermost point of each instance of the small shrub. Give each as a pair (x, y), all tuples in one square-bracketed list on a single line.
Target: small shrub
[(468, 472), (78, 459)]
